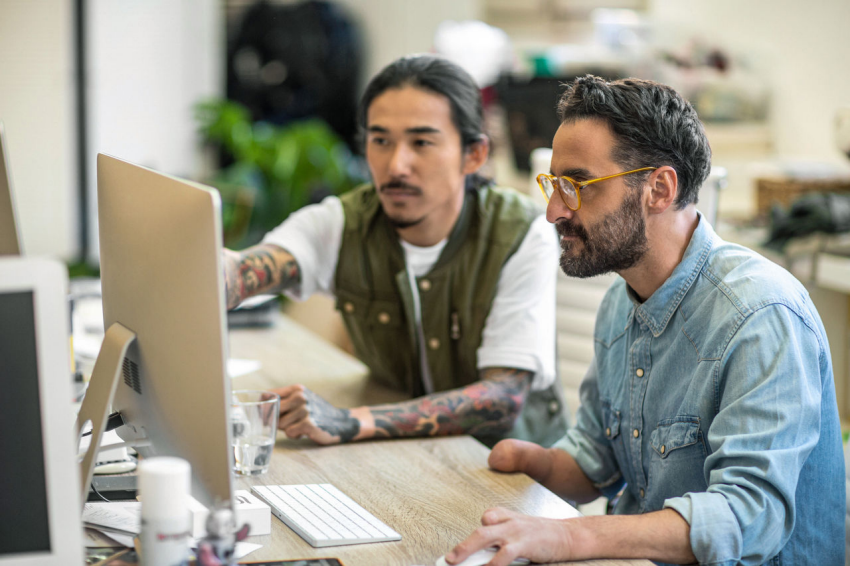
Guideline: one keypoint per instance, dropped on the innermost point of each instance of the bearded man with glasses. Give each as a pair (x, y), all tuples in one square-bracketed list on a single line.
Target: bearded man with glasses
[(709, 406)]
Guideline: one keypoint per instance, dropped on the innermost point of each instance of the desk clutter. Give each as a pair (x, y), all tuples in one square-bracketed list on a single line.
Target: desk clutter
[(124, 516)]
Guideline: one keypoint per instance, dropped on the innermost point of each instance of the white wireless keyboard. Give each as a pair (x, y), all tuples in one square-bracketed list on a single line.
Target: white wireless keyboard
[(323, 515)]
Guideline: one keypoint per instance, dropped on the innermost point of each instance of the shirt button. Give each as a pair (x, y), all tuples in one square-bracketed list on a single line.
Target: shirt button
[(383, 318), (642, 493), (639, 372), (425, 285), (434, 343), (553, 407), (608, 432), (635, 433), (348, 307), (663, 449)]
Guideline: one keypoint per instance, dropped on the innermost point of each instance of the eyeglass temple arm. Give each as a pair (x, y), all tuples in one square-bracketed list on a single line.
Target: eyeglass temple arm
[(585, 183)]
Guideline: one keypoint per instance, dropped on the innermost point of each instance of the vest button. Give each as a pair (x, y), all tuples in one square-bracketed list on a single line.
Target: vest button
[(383, 318), (639, 372), (348, 307), (608, 432), (635, 433), (642, 493), (434, 343), (425, 285), (663, 449)]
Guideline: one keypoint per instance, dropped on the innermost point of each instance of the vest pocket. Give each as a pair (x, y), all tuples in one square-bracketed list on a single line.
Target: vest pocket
[(673, 435), (380, 338)]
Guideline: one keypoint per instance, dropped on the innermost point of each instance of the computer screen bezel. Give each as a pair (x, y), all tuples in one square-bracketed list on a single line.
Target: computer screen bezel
[(47, 280)]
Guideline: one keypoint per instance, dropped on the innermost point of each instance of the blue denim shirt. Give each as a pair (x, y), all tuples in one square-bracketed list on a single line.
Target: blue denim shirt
[(715, 398)]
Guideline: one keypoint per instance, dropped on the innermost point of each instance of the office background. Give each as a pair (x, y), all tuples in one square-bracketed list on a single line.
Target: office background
[(771, 110)]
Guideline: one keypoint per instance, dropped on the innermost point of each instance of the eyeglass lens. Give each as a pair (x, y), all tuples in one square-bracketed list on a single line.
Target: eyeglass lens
[(567, 189)]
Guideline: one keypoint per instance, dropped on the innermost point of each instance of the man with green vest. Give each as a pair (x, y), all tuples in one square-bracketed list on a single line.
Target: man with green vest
[(446, 284)]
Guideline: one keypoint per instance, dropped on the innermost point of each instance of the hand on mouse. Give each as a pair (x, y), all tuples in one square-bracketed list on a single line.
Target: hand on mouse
[(538, 539)]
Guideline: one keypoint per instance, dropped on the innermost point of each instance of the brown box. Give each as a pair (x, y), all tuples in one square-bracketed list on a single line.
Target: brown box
[(786, 191)]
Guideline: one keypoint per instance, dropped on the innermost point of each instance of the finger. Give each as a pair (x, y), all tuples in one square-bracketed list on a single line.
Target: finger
[(480, 538), (298, 429), (293, 417), (505, 555), (507, 455), (293, 402), (285, 392), (496, 515)]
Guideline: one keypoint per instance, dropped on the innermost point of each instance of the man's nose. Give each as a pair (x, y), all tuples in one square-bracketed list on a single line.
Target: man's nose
[(400, 161), (557, 209)]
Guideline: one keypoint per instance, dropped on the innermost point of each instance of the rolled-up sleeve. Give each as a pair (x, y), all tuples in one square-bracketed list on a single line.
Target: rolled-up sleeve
[(587, 441), (768, 421)]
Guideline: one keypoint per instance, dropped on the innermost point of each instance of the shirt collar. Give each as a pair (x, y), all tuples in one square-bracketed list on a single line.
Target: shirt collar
[(658, 309)]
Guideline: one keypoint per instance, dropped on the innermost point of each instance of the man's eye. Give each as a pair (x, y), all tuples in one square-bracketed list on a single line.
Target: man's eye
[(379, 141), (422, 143)]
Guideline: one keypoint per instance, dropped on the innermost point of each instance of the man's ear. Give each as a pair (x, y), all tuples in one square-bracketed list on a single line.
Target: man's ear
[(663, 188), (475, 155)]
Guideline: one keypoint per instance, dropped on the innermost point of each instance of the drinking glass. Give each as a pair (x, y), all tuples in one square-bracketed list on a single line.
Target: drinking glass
[(254, 416)]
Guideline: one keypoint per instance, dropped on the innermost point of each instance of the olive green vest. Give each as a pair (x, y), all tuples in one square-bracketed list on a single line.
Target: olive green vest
[(374, 296)]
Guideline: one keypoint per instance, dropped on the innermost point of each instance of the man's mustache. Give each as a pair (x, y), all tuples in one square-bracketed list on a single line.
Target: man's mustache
[(566, 229), (401, 185)]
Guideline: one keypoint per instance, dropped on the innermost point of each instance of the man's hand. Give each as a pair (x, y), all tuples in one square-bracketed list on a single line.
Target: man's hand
[(663, 536), (516, 535), (513, 455), (303, 413), (552, 467)]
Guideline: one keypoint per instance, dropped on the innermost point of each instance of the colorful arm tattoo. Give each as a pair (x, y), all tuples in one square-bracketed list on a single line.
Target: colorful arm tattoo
[(486, 407), (259, 269)]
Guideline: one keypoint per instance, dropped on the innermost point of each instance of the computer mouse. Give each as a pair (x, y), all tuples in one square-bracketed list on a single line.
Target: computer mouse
[(480, 558)]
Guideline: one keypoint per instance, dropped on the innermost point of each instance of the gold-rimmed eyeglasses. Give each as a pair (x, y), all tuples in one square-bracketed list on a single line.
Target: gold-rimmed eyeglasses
[(570, 189)]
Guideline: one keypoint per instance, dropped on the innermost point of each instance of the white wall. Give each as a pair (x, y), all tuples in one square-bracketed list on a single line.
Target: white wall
[(806, 50), (392, 28), (37, 107), (149, 63)]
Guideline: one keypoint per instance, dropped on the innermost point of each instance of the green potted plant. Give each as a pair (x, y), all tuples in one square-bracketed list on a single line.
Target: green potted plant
[(275, 170)]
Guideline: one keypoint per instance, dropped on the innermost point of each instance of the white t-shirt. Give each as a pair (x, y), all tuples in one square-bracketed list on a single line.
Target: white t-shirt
[(520, 329)]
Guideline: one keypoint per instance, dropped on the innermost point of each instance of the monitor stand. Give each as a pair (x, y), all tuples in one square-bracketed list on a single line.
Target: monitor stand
[(222, 533), (99, 395)]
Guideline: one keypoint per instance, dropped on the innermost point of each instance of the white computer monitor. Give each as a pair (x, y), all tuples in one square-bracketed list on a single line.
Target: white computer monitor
[(39, 503), (10, 236), (164, 352)]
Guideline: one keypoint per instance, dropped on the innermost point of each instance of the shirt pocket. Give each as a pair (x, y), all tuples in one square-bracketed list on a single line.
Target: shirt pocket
[(677, 438)]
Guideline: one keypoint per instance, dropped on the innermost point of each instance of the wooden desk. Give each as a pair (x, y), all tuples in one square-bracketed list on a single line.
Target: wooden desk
[(432, 491)]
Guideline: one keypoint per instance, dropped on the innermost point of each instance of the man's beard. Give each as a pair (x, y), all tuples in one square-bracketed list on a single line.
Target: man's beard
[(402, 223), (617, 242)]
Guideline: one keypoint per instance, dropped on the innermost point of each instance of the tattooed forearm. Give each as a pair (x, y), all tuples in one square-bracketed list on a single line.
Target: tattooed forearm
[(486, 407), (260, 269)]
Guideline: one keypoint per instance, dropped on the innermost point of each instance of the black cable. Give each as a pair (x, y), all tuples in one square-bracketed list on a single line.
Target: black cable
[(112, 422), (98, 493)]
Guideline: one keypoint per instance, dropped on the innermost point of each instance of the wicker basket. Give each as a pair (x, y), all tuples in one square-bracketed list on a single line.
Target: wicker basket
[(786, 191)]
